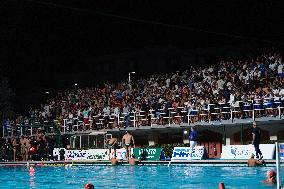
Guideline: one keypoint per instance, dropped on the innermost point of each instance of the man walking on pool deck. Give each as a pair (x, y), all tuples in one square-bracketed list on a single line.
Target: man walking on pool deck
[(192, 140), (128, 141), (256, 140)]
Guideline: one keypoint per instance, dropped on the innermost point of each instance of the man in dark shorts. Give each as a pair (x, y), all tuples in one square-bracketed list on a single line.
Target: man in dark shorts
[(112, 144), (256, 140)]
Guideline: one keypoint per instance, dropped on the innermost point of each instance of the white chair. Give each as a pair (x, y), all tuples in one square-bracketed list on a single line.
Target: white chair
[(192, 116), (236, 110), (204, 114)]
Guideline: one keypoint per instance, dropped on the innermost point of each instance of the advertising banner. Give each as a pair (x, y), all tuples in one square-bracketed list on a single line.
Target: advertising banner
[(91, 154), (184, 153), (56, 153), (120, 153), (245, 151), (152, 154)]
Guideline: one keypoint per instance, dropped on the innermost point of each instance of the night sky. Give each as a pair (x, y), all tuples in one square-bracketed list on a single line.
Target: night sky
[(43, 38)]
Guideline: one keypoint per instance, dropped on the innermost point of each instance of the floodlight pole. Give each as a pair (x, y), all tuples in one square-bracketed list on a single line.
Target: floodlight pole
[(278, 166)]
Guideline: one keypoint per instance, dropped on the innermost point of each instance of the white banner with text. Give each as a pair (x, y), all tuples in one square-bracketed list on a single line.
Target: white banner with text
[(245, 151)]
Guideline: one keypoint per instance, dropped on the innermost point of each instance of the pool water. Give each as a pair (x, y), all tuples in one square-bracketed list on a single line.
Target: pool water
[(159, 176)]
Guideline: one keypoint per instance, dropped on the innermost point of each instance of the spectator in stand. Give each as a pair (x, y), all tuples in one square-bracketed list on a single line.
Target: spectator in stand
[(85, 117), (126, 115)]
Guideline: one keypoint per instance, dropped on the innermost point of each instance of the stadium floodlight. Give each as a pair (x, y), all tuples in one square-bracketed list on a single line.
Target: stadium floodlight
[(75, 84), (47, 92)]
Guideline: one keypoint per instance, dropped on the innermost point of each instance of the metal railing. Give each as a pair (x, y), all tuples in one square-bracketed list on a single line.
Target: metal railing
[(179, 115), (169, 116)]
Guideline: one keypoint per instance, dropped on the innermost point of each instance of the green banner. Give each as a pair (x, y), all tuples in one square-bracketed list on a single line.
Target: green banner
[(147, 153)]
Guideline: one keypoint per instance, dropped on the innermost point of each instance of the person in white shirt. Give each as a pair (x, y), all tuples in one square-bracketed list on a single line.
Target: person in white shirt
[(232, 98), (280, 70), (246, 78), (273, 66), (229, 85), (106, 111), (168, 82), (281, 93), (116, 111), (47, 108)]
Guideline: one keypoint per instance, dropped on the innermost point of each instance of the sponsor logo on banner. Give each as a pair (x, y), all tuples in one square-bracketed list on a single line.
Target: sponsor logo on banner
[(56, 152), (120, 153), (148, 153), (183, 153), (245, 151), (97, 154)]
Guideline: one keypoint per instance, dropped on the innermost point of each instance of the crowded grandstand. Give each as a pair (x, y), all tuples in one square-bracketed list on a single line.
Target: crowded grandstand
[(228, 90)]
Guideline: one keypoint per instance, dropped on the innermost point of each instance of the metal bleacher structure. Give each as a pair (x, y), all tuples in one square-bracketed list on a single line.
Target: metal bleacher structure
[(266, 109)]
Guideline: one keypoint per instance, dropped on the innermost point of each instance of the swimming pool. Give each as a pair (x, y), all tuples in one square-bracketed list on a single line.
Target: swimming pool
[(159, 176)]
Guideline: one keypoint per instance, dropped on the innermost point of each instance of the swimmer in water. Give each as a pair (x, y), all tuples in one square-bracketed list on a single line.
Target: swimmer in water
[(89, 186), (271, 177), (254, 162)]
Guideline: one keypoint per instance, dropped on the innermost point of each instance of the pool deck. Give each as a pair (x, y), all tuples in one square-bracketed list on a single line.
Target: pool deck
[(209, 162)]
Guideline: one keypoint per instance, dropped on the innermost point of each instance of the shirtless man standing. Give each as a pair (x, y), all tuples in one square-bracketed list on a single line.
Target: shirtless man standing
[(112, 144), (15, 146), (128, 141), (23, 147), (28, 146)]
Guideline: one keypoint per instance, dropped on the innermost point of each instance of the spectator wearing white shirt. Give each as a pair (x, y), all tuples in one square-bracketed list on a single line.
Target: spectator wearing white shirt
[(232, 98), (280, 70), (281, 93), (273, 66)]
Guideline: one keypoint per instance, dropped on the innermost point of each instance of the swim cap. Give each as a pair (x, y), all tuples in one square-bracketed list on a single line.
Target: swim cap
[(89, 186), (271, 173), (32, 169)]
